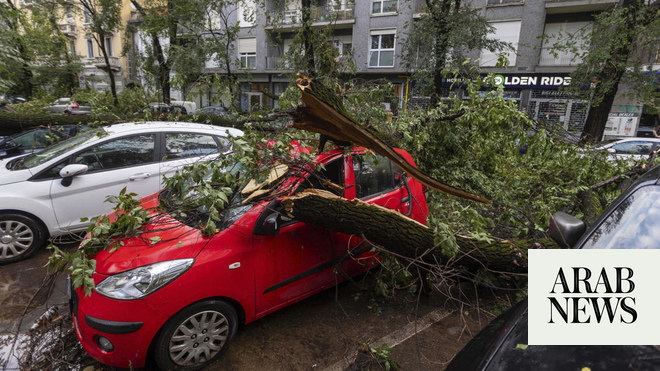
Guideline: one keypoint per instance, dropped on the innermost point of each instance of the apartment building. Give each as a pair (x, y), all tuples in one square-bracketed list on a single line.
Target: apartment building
[(372, 32), (74, 23)]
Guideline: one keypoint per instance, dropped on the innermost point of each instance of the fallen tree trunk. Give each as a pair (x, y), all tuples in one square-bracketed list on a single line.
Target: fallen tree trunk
[(405, 236)]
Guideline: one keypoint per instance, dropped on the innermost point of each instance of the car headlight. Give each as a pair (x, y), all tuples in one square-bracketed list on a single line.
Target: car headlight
[(140, 282)]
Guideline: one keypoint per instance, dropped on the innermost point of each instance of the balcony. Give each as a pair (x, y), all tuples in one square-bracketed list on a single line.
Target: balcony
[(420, 8), (577, 6), (69, 29), (339, 17), (115, 63), (277, 63)]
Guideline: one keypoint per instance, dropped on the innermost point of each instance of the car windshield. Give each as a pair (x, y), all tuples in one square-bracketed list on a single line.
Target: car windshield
[(634, 224), (57, 149)]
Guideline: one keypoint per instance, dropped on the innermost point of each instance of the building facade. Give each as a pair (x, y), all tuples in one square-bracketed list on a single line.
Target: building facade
[(74, 23), (372, 33)]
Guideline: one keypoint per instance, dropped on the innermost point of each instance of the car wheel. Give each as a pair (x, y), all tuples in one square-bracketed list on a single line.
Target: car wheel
[(196, 337), (20, 237)]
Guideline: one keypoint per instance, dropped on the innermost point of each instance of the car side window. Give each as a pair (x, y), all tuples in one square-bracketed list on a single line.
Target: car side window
[(53, 171), (122, 152), (184, 145), (333, 171), (634, 224), (633, 148), (374, 175)]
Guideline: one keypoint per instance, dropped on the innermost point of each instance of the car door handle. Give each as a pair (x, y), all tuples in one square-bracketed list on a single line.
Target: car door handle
[(135, 177)]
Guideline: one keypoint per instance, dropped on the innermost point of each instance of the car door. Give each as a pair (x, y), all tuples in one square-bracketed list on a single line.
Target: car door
[(128, 161), (374, 180), (294, 263), (180, 149)]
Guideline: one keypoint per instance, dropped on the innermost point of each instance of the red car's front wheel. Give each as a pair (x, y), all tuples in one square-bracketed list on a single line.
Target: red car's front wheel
[(196, 336)]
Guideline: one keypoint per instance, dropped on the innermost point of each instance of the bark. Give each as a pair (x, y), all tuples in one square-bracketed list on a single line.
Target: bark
[(163, 66), (323, 112), (307, 33), (613, 69), (108, 69), (405, 236)]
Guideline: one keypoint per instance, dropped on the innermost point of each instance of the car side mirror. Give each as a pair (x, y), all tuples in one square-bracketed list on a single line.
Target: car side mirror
[(272, 224), (566, 229), (69, 171)]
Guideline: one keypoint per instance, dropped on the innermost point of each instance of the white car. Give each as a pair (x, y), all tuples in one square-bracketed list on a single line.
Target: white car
[(632, 148), (46, 194)]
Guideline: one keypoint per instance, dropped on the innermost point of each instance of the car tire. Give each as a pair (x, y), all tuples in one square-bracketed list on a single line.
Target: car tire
[(184, 342), (20, 237)]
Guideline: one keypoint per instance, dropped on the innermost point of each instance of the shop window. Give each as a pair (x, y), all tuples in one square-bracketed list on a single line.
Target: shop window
[(381, 49), (508, 32)]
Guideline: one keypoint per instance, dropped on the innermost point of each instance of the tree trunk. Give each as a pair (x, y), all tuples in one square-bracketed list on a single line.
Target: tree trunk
[(108, 69), (613, 69), (441, 14), (402, 235), (307, 32)]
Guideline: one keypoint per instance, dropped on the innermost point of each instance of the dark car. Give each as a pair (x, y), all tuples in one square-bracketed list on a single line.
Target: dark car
[(630, 222), (35, 140)]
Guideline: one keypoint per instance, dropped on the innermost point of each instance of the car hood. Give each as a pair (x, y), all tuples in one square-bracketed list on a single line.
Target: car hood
[(12, 176), (177, 241)]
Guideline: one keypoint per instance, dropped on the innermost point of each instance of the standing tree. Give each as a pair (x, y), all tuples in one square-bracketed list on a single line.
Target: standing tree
[(446, 30), (174, 41), (221, 32), (105, 19), (619, 38), (35, 51)]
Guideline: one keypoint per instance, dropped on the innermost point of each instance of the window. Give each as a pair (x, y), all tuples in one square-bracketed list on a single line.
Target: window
[(374, 175), (72, 47), (332, 174), (90, 48), (381, 50), (118, 153), (246, 10), (183, 145), (108, 46), (564, 34), (634, 224), (247, 52), (383, 6), (87, 17), (507, 32), (69, 14)]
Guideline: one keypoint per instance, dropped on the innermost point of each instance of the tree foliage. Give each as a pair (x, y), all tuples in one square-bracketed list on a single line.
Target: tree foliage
[(622, 48), (445, 32)]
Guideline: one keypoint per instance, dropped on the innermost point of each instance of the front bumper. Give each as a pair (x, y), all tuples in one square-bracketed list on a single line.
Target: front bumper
[(129, 325)]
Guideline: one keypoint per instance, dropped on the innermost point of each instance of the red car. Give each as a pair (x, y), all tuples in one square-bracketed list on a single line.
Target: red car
[(182, 299)]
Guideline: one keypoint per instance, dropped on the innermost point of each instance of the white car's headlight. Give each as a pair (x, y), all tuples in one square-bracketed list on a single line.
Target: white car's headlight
[(140, 282)]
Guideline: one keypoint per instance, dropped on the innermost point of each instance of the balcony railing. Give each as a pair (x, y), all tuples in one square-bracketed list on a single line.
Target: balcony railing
[(115, 62), (327, 13), (277, 63), (68, 29)]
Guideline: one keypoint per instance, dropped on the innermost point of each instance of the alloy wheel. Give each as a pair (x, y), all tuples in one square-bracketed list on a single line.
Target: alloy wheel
[(15, 238), (199, 338)]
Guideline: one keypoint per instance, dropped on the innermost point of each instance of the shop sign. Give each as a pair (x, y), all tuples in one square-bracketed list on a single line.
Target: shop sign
[(524, 80), (622, 124)]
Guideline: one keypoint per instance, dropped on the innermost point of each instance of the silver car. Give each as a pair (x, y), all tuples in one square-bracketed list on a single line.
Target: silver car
[(66, 106)]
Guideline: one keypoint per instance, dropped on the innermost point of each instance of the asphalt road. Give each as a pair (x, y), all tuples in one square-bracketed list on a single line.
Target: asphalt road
[(323, 332)]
